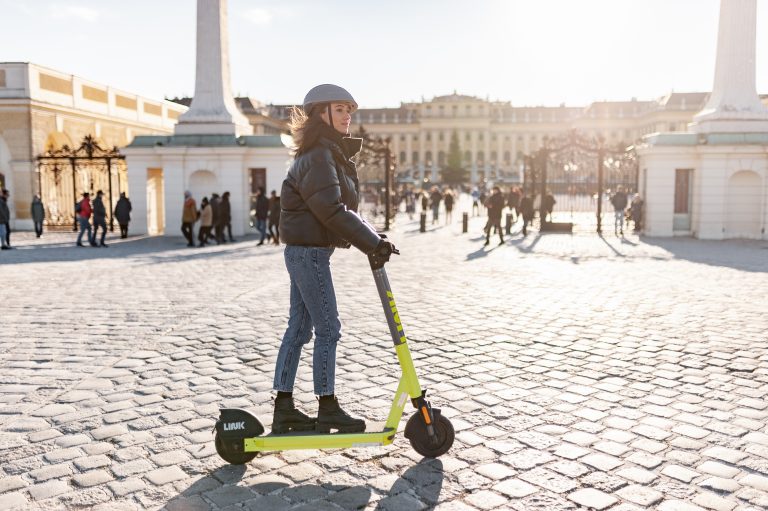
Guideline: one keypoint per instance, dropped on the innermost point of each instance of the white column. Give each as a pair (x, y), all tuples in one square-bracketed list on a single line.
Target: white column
[(473, 172), (233, 178), (137, 191), (213, 109), (409, 152), (487, 150), (734, 105), (174, 185), (422, 149), (433, 172), (499, 152)]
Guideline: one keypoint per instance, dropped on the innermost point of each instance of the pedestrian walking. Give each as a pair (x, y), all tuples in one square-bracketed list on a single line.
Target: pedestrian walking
[(636, 210), (83, 212), (495, 204), (189, 216), (99, 219), (225, 217), (527, 211), (319, 200), (619, 202), (274, 217), (513, 202), (262, 212), (37, 211), (475, 201), (5, 216), (424, 201), (448, 200), (6, 196), (216, 228), (410, 203), (123, 214), (206, 222), (547, 206), (435, 197)]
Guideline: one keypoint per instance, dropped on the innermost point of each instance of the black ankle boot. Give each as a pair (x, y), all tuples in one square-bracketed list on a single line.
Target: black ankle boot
[(331, 416), (287, 417)]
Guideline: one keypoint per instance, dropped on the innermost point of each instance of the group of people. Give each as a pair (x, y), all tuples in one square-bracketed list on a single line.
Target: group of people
[(520, 206), (622, 214), (215, 216), (267, 214), (84, 210)]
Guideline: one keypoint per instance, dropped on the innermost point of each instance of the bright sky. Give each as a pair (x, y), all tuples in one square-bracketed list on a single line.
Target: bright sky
[(529, 52)]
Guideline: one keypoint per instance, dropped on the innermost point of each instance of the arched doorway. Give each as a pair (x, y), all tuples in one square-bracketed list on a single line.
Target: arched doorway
[(743, 205)]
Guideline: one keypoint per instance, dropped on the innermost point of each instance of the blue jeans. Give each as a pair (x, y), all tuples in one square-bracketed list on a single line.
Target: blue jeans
[(618, 221), (85, 224), (313, 305), (261, 226)]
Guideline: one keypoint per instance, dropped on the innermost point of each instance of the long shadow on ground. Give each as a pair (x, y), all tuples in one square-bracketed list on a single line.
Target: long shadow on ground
[(417, 488)]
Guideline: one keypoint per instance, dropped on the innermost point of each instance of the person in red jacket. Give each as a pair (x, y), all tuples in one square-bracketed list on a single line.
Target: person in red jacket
[(83, 212)]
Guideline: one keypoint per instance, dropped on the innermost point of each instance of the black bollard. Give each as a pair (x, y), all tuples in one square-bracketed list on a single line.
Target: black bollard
[(464, 222), (423, 222), (509, 223)]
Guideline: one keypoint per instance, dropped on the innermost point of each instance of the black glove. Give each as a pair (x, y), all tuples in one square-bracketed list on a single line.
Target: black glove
[(385, 248)]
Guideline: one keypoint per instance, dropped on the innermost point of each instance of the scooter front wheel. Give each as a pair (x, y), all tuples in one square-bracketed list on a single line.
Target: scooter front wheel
[(231, 450), (416, 433)]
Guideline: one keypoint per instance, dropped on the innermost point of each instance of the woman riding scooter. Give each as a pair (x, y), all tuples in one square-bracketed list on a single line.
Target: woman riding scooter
[(318, 201)]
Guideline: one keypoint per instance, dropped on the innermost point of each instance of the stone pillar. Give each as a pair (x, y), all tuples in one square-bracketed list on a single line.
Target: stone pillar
[(734, 105), (487, 151), (137, 193), (422, 157), (433, 170), (409, 153), (213, 109), (473, 142)]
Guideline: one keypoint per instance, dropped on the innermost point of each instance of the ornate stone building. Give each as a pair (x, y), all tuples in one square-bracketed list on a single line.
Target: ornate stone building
[(494, 135), (42, 109)]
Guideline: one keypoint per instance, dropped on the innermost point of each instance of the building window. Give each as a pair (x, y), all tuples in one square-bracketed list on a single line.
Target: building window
[(467, 157), (467, 137), (480, 157), (402, 138), (428, 158), (440, 136), (414, 158), (428, 137), (441, 158), (480, 137), (507, 157), (402, 158), (493, 157), (455, 110)]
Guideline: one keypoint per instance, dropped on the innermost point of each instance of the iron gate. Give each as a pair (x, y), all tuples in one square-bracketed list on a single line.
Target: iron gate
[(64, 173), (581, 174)]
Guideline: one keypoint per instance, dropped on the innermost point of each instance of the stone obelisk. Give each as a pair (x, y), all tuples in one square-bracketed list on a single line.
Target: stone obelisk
[(734, 106), (213, 110)]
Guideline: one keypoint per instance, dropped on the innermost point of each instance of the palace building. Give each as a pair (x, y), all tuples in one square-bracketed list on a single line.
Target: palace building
[(42, 109)]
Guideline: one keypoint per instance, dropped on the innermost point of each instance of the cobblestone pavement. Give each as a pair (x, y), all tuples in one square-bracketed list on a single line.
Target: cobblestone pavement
[(578, 371)]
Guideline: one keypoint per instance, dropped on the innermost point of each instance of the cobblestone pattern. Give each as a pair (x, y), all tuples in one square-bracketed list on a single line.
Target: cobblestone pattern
[(579, 372)]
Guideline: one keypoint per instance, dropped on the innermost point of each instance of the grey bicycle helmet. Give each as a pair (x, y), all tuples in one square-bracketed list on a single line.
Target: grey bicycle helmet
[(327, 93)]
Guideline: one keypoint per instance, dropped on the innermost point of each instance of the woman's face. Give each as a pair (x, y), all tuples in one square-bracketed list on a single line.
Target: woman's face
[(341, 114)]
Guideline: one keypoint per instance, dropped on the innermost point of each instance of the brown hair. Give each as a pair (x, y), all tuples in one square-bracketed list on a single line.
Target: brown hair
[(305, 129)]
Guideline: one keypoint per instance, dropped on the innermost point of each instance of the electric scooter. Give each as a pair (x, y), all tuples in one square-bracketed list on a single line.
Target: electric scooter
[(239, 435)]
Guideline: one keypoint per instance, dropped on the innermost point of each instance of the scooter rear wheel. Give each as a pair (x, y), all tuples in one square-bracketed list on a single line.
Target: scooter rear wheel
[(416, 433), (230, 451)]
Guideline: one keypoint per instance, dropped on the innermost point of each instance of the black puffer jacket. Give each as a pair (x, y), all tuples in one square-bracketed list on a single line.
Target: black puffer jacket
[(317, 209)]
